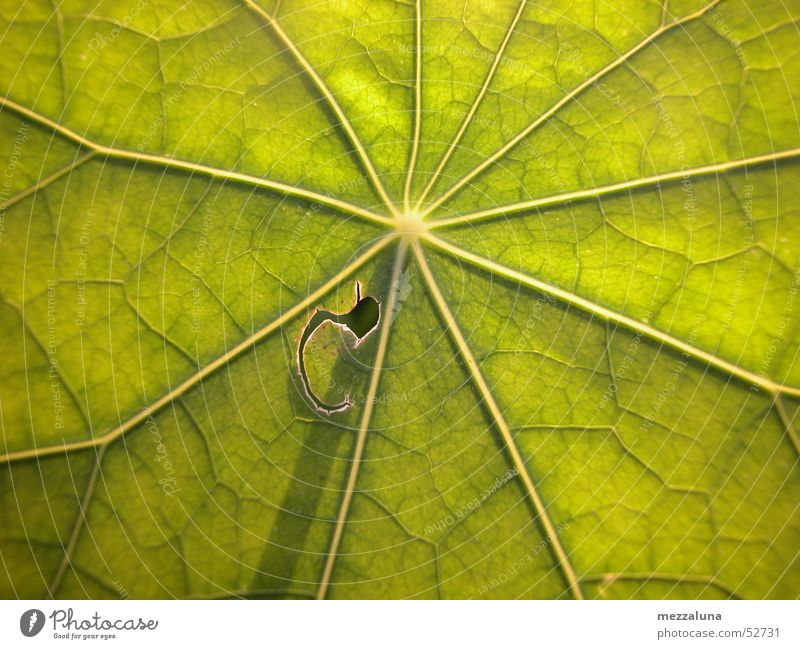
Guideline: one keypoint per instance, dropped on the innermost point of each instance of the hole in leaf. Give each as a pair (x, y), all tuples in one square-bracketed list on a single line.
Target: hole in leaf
[(361, 321)]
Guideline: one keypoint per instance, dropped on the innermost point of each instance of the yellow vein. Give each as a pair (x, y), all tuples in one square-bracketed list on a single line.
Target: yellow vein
[(320, 84), (417, 107), (499, 419), (664, 11), (562, 102), (628, 185), (366, 416), (475, 104), (44, 182), (209, 369), (183, 165), (786, 421), (78, 525), (57, 373), (606, 579), (60, 52), (608, 314)]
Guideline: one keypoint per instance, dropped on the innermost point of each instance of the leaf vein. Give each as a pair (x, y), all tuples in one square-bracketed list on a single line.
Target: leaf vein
[(196, 378), (478, 169), (605, 313), (562, 557), (192, 167)]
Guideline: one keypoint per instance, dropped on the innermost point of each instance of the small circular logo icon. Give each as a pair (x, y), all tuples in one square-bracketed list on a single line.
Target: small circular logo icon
[(31, 622)]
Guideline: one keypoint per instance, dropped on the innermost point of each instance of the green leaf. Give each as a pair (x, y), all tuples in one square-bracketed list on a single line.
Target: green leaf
[(580, 221)]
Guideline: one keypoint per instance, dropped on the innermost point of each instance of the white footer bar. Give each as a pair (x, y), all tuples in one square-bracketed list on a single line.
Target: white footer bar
[(386, 625)]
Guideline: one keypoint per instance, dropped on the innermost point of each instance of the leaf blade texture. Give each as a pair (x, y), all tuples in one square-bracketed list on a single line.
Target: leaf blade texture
[(580, 222)]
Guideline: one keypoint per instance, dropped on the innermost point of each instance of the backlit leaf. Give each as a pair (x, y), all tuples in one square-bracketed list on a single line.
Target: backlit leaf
[(581, 223)]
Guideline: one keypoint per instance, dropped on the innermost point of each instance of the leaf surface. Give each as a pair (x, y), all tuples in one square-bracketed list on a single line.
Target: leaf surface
[(580, 223)]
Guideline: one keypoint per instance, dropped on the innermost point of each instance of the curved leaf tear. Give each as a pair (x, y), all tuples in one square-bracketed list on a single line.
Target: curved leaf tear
[(361, 321)]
